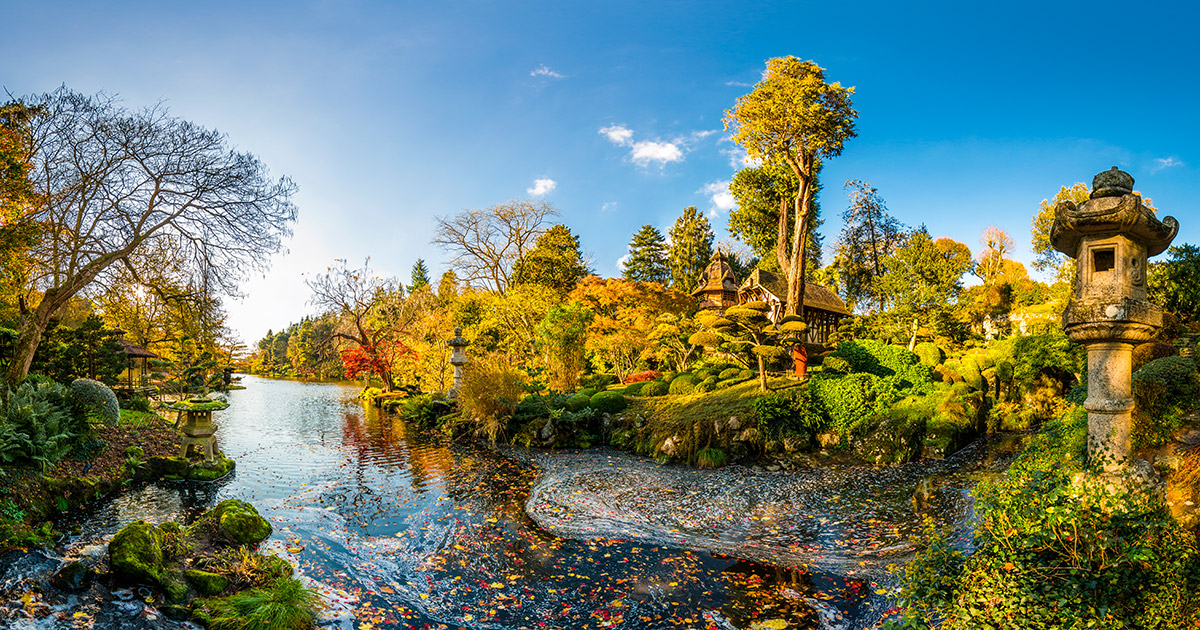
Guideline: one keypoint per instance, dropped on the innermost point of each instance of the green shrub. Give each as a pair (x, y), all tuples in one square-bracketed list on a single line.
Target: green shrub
[(669, 377), (33, 428), (875, 357), (578, 401), (1165, 390), (284, 605), (705, 387), (684, 384), (636, 388), (587, 391), (792, 412), (598, 382), (845, 399), (1049, 552), (836, 364), (97, 400), (655, 388), (425, 409), (929, 354), (730, 382), (705, 374), (1147, 352), (729, 373), (608, 402), (746, 375)]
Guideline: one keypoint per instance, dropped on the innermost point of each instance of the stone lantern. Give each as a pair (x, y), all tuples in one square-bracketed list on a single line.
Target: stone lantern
[(458, 356), (1110, 236), (198, 428)]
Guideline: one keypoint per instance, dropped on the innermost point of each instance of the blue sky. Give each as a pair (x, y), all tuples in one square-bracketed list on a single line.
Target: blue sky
[(388, 114)]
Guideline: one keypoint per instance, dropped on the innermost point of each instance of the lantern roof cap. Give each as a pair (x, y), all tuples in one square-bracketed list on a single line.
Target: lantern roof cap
[(1113, 208)]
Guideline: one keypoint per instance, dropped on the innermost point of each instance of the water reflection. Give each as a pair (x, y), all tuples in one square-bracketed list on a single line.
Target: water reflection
[(401, 528)]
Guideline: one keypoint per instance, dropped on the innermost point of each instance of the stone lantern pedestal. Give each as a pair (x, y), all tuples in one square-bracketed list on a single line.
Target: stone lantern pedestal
[(1110, 236), (458, 358)]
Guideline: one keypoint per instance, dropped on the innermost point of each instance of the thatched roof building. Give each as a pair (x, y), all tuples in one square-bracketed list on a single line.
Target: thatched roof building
[(823, 309)]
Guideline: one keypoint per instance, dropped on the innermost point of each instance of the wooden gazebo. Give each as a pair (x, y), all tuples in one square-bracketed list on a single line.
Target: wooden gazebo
[(136, 357), (823, 309)]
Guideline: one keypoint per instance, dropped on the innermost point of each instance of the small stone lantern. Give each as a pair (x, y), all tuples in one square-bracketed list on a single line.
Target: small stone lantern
[(1110, 236), (198, 428), (458, 356)]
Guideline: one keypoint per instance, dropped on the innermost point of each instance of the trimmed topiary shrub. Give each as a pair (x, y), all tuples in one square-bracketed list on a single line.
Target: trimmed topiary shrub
[(655, 388), (705, 387), (929, 354), (729, 373), (683, 384), (1148, 352), (96, 399), (578, 401), (836, 364), (845, 399), (638, 377), (636, 388), (587, 391), (608, 402), (1165, 390)]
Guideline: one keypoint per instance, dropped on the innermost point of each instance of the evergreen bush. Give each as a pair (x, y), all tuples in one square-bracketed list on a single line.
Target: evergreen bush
[(929, 354), (1165, 390), (97, 400), (636, 388), (608, 402), (655, 388), (684, 384)]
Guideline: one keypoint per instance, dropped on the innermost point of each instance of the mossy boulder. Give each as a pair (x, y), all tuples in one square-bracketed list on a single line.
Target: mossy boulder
[(239, 523), (206, 583), (169, 466), (135, 553), (210, 471)]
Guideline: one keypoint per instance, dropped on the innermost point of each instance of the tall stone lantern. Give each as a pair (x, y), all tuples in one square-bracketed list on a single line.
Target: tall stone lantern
[(1110, 236), (458, 356)]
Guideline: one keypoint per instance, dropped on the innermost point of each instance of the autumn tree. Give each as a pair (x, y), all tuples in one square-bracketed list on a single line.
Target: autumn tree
[(110, 181), (922, 278), (555, 261), (690, 249), (647, 261), (793, 116), (420, 275), (869, 235), (764, 194), (486, 243), (996, 245), (376, 319), (625, 315)]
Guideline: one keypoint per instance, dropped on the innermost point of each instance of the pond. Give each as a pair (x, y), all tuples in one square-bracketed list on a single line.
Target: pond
[(401, 529)]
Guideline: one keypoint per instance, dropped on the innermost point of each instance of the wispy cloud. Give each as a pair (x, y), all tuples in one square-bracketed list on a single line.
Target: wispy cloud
[(737, 84), (1165, 163), (621, 262), (718, 193), (645, 152), (608, 205), (545, 71), (542, 187), (738, 158)]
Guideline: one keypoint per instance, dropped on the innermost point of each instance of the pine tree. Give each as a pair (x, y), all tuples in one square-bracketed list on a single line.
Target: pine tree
[(691, 247), (420, 275), (647, 257), (555, 261)]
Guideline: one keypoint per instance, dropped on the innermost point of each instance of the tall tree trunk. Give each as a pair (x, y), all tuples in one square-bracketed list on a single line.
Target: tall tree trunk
[(781, 239), (762, 375), (795, 297), (912, 341), (33, 324)]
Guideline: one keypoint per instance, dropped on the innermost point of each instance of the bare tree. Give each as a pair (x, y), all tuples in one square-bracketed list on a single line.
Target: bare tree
[(487, 243), (112, 181), (375, 318), (996, 244)]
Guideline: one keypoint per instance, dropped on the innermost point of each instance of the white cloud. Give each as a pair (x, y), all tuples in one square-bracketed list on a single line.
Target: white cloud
[(618, 134), (608, 205), (718, 193), (1165, 163), (545, 71), (737, 84), (621, 262), (647, 151), (541, 187), (738, 158)]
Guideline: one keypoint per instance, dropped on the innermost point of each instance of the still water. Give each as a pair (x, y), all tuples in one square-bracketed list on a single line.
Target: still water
[(401, 529)]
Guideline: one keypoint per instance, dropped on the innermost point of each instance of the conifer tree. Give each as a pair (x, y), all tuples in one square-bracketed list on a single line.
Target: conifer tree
[(420, 275), (555, 261), (647, 257), (691, 247)]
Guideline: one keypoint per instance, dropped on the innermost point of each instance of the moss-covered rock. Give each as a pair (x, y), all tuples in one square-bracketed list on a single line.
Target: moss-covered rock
[(210, 471), (168, 466), (175, 588), (206, 583), (238, 522), (135, 553)]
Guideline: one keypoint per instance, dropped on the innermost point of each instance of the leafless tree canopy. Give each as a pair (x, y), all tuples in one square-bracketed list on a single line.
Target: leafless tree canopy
[(487, 243), (112, 181)]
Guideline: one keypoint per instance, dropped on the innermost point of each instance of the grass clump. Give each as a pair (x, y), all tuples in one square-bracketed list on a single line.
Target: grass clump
[(710, 458), (286, 604)]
